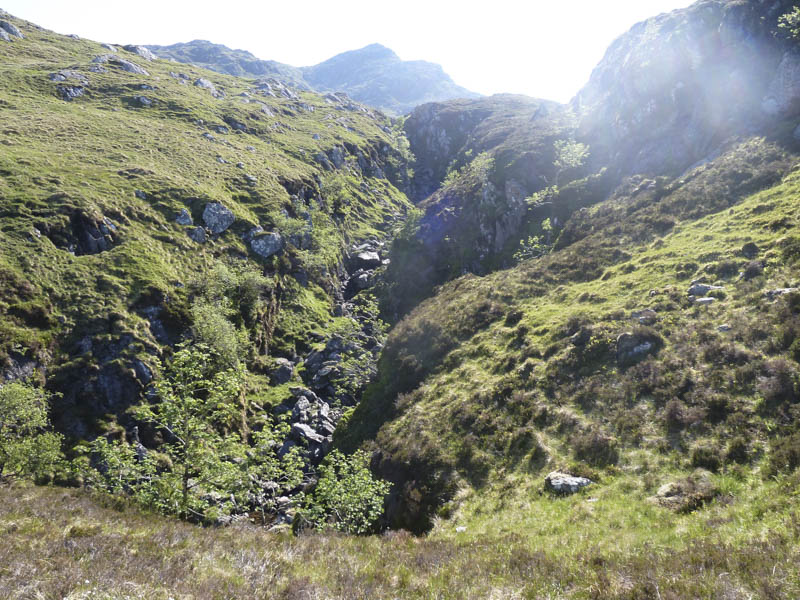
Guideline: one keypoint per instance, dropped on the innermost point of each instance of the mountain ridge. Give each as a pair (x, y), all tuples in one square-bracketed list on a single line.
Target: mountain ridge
[(373, 74)]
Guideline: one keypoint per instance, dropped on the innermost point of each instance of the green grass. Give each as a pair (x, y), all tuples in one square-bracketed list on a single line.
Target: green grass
[(481, 377), (89, 156)]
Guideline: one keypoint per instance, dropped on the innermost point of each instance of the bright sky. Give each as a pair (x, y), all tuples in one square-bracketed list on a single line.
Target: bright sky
[(542, 48)]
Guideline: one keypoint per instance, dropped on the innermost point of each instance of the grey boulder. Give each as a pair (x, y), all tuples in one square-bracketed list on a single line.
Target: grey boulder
[(217, 217), (11, 30), (184, 218), (303, 432), (267, 244), (563, 483), (141, 51), (198, 234), (283, 372)]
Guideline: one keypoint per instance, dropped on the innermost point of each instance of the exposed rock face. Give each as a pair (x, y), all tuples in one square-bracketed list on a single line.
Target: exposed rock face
[(207, 85), (11, 30), (125, 65), (669, 91), (562, 483), (217, 217), (140, 51), (85, 233)]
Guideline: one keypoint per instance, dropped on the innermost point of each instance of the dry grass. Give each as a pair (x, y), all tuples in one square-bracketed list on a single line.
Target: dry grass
[(61, 543)]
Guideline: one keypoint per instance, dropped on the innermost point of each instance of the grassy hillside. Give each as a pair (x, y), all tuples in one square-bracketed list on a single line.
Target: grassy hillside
[(497, 380), (99, 277)]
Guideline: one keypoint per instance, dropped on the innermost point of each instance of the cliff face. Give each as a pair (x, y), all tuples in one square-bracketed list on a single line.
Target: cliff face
[(673, 88)]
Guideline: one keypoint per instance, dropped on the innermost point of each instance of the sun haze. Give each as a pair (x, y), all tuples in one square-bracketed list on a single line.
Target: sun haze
[(542, 49)]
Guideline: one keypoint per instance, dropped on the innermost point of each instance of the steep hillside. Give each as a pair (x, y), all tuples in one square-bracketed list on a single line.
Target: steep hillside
[(143, 206), (373, 75), (589, 386)]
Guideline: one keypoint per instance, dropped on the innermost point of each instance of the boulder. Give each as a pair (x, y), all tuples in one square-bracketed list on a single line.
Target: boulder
[(302, 432), (563, 483), (217, 217), (631, 348), (198, 234), (302, 392), (267, 244), (705, 301), (143, 101), (772, 294), (301, 410), (4, 36), (70, 92), (110, 47), (184, 218), (140, 51), (128, 66), (251, 233), (141, 195), (207, 85), (283, 372), (69, 74), (11, 29), (701, 289), (367, 260), (646, 317)]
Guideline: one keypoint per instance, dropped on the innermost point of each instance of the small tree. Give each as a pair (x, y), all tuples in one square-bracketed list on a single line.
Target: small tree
[(204, 468), (26, 445), (347, 497)]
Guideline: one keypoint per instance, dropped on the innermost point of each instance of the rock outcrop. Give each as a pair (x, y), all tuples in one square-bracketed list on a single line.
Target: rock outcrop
[(673, 88)]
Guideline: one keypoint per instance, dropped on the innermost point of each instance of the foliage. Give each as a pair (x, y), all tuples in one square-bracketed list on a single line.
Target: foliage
[(205, 468), (27, 447), (790, 22), (569, 154), (347, 497)]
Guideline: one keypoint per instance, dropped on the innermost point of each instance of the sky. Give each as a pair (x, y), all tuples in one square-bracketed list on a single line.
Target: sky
[(541, 48)]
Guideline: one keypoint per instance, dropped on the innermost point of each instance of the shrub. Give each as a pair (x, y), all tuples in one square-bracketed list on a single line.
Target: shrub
[(705, 457), (737, 451), (347, 497), (26, 445), (595, 448), (779, 385), (784, 456), (752, 270)]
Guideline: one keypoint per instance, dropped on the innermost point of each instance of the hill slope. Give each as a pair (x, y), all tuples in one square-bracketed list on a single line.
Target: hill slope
[(569, 296)]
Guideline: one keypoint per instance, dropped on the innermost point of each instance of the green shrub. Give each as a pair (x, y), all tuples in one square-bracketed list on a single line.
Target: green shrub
[(737, 451), (347, 497), (595, 448), (784, 455), (705, 457), (27, 448)]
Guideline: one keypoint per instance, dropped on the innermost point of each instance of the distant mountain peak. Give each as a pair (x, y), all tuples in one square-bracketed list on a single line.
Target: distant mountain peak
[(373, 74)]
